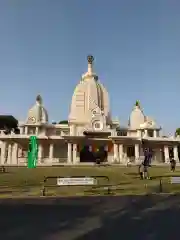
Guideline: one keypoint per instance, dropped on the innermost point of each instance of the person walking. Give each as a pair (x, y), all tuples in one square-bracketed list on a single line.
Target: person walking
[(98, 157), (141, 170), (146, 164), (173, 165), (150, 155)]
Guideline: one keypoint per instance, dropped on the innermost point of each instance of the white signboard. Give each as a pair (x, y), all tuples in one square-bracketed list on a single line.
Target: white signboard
[(76, 181), (175, 180)]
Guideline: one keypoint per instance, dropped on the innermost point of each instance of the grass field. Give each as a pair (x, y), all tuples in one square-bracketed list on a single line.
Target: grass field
[(21, 182)]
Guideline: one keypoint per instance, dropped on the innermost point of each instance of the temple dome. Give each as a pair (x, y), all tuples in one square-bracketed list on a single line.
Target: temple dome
[(89, 97), (37, 114), (139, 121), (149, 123), (137, 117)]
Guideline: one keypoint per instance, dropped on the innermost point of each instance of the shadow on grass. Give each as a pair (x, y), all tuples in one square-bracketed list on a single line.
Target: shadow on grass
[(132, 174), (12, 191), (165, 177), (16, 190), (5, 173), (142, 218), (107, 189), (133, 217)]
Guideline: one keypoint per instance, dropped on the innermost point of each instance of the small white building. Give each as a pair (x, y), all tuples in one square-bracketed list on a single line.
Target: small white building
[(89, 124)]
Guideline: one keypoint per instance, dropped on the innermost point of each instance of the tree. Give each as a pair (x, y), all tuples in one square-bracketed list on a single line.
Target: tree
[(63, 122), (9, 124), (177, 133)]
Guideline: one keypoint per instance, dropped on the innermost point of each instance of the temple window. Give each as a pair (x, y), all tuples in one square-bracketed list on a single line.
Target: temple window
[(22, 130), (42, 130), (150, 133), (157, 133), (65, 133), (130, 151), (97, 125), (122, 133), (31, 130), (58, 132)]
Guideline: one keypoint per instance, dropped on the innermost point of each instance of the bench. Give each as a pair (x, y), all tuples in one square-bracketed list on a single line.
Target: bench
[(172, 180), (91, 181), (175, 180)]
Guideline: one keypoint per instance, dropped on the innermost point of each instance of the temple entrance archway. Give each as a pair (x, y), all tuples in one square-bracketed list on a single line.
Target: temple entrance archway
[(86, 155), (130, 151), (91, 154)]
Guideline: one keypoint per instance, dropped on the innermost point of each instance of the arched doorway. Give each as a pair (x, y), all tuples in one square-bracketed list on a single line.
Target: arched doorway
[(130, 151), (101, 154), (90, 154), (86, 155), (179, 153), (171, 153)]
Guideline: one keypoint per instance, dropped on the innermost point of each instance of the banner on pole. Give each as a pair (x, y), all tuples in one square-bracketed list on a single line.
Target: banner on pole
[(32, 152)]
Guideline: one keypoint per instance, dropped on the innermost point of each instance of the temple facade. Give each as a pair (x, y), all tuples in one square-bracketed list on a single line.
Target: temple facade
[(90, 127)]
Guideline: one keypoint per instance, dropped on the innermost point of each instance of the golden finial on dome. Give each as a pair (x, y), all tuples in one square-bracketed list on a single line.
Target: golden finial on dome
[(90, 64), (90, 59)]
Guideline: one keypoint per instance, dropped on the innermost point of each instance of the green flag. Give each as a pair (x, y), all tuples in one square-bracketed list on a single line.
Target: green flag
[(32, 152)]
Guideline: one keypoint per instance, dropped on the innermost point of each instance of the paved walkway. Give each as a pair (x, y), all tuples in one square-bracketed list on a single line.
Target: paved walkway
[(132, 217)]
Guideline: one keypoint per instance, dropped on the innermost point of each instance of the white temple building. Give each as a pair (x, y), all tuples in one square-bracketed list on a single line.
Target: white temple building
[(89, 124)]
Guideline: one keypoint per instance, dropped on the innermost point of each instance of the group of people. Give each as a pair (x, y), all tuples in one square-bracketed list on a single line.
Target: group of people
[(146, 163)]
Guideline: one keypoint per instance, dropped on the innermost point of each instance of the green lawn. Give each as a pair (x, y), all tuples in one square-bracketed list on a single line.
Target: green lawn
[(22, 182)]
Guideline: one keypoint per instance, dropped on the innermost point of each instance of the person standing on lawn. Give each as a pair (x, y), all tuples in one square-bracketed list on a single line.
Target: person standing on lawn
[(173, 164), (146, 164)]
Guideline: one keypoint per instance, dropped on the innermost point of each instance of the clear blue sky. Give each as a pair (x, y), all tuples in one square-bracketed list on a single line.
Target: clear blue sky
[(136, 45)]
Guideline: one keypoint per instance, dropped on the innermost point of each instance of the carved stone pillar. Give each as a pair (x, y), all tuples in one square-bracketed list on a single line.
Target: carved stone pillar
[(155, 133), (116, 157), (136, 152), (166, 154), (69, 158), (9, 153), (51, 151), (120, 153), (75, 153), (175, 150), (3, 153), (15, 154), (40, 153)]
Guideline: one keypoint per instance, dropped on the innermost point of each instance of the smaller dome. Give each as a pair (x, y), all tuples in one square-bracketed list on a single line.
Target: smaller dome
[(37, 114), (149, 123), (137, 116)]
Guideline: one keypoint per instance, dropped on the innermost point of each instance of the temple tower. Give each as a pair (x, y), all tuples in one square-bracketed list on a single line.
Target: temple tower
[(90, 101)]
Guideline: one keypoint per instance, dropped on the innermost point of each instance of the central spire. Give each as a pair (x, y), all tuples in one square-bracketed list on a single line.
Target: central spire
[(90, 72), (39, 99), (90, 64)]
